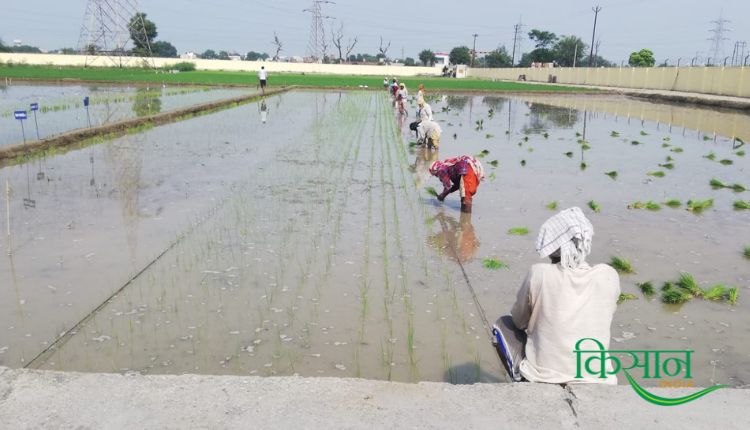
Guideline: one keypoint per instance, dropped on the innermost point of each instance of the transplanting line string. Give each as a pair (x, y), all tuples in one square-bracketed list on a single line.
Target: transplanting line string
[(61, 340)]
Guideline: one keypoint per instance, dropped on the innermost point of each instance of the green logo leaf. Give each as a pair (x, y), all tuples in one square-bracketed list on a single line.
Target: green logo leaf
[(666, 401)]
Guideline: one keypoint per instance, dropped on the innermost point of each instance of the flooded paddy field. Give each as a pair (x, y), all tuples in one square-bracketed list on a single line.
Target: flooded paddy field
[(61, 107), (307, 244)]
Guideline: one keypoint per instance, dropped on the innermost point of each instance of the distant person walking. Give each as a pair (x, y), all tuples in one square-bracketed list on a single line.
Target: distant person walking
[(263, 78), (385, 83)]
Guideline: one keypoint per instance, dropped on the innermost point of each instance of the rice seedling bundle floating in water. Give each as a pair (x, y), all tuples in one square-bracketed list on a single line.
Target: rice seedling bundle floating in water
[(669, 166), (552, 205), (698, 206), (614, 134), (584, 166), (626, 296), (647, 288), (494, 163), (569, 154), (717, 292), (594, 206), (741, 205), (677, 150), (431, 191), (635, 142), (658, 174), (711, 156), (726, 162), (523, 162), (518, 231), (494, 264), (621, 265), (746, 252), (643, 133), (612, 174), (740, 153), (673, 203)]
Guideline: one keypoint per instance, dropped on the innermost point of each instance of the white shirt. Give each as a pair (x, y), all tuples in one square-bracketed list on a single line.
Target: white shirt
[(429, 129), (425, 113), (262, 74), (558, 308)]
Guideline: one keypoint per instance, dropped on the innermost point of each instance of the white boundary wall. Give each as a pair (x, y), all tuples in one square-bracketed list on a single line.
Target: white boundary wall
[(725, 81), (235, 66)]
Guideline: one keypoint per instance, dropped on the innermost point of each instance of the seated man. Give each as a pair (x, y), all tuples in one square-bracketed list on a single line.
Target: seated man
[(564, 301), (459, 173)]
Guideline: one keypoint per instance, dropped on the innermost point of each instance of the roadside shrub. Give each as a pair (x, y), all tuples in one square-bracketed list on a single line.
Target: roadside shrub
[(183, 66)]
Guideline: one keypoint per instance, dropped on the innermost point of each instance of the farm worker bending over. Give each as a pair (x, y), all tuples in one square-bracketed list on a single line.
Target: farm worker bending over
[(562, 302), (462, 174), (429, 132)]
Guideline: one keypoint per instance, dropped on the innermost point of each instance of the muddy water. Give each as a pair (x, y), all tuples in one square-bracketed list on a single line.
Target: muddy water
[(61, 106), (298, 246), (306, 244)]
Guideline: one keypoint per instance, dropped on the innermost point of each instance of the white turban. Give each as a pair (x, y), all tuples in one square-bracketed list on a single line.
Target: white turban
[(571, 232)]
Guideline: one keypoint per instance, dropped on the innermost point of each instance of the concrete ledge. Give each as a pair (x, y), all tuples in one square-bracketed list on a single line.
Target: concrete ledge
[(52, 400)]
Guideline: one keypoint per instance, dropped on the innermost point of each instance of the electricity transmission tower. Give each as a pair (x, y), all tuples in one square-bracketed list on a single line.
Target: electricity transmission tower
[(517, 38), (717, 41), (107, 28), (738, 54), (317, 43)]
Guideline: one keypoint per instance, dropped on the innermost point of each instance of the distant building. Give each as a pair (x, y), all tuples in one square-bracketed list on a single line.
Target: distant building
[(442, 59), (189, 56), (17, 43), (235, 56)]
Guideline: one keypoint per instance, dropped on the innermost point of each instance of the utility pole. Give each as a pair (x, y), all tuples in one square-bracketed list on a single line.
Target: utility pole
[(596, 10), (516, 41), (575, 55), (317, 43), (717, 41), (474, 50), (107, 29)]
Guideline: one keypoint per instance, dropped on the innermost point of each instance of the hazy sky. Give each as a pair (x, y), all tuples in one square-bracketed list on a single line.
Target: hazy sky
[(671, 28)]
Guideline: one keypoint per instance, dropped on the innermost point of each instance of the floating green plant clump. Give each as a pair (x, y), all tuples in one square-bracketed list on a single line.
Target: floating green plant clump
[(523, 162), (711, 156), (431, 191), (621, 265), (518, 231), (733, 295), (585, 146), (584, 166), (489, 136), (483, 154), (746, 252), (647, 288), (612, 174), (569, 154), (740, 153), (614, 134), (674, 296), (669, 166), (493, 264), (493, 163), (715, 183), (677, 150), (673, 203), (650, 205), (493, 176), (657, 174), (717, 292), (726, 162), (699, 205), (553, 205), (546, 135), (626, 296), (687, 282), (635, 142), (595, 206), (741, 205), (707, 137), (643, 133)]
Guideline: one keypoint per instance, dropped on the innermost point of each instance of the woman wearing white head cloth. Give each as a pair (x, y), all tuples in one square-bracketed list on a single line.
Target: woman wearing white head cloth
[(564, 301)]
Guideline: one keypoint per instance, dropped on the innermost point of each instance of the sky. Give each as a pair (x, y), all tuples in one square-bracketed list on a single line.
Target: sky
[(671, 28)]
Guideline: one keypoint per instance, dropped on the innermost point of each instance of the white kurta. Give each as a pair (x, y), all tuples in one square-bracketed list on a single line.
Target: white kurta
[(425, 113), (558, 308), (429, 129)]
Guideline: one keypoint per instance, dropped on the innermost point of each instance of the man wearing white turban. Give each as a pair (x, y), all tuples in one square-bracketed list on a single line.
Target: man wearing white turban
[(564, 301)]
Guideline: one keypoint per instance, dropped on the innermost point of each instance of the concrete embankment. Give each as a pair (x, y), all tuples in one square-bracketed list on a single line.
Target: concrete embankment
[(121, 127), (54, 400)]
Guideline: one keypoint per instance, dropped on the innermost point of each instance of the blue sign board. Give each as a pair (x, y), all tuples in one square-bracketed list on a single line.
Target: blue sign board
[(86, 101), (20, 114), (34, 106)]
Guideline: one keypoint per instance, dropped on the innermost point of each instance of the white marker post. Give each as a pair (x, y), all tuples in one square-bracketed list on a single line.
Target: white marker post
[(35, 107), (20, 115)]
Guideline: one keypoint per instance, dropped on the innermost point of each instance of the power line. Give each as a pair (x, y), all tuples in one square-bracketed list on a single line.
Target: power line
[(317, 43), (108, 26), (596, 10)]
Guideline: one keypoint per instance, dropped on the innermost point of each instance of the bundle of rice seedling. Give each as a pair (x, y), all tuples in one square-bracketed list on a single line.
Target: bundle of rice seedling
[(595, 206), (673, 203), (612, 174), (493, 264), (518, 231), (621, 265), (626, 296), (698, 206), (647, 289), (431, 191)]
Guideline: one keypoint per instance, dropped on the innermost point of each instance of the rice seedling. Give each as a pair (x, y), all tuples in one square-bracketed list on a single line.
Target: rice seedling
[(493, 264), (643, 133), (494, 163), (666, 139), (737, 188), (530, 149), (612, 174), (746, 252), (687, 282), (652, 206), (677, 150), (740, 153), (594, 206), (518, 231), (552, 206), (715, 293), (491, 113), (526, 138), (485, 152), (578, 134), (657, 174), (673, 203), (493, 176), (711, 156), (585, 146), (489, 136), (621, 265), (431, 191), (580, 141), (413, 144), (669, 158), (584, 166), (636, 205), (614, 134), (635, 142), (726, 162), (715, 183), (626, 296), (479, 124), (569, 154), (523, 162), (741, 205), (647, 289), (545, 135), (675, 296), (733, 295), (669, 166), (698, 206), (706, 137), (665, 145)]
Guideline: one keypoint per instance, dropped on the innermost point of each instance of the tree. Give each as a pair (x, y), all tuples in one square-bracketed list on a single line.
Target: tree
[(427, 57), (498, 58), (542, 39), (408, 61), (3, 48), (208, 54), (344, 48), (26, 49), (277, 43), (255, 56), (142, 31), (460, 55), (383, 50), (642, 58), (223, 55), (163, 49), (569, 50)]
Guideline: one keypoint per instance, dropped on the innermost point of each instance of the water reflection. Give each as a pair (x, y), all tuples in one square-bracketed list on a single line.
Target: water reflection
[(263, 110), (456, 239), (544, 117), (147, 102), (424, 159)]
